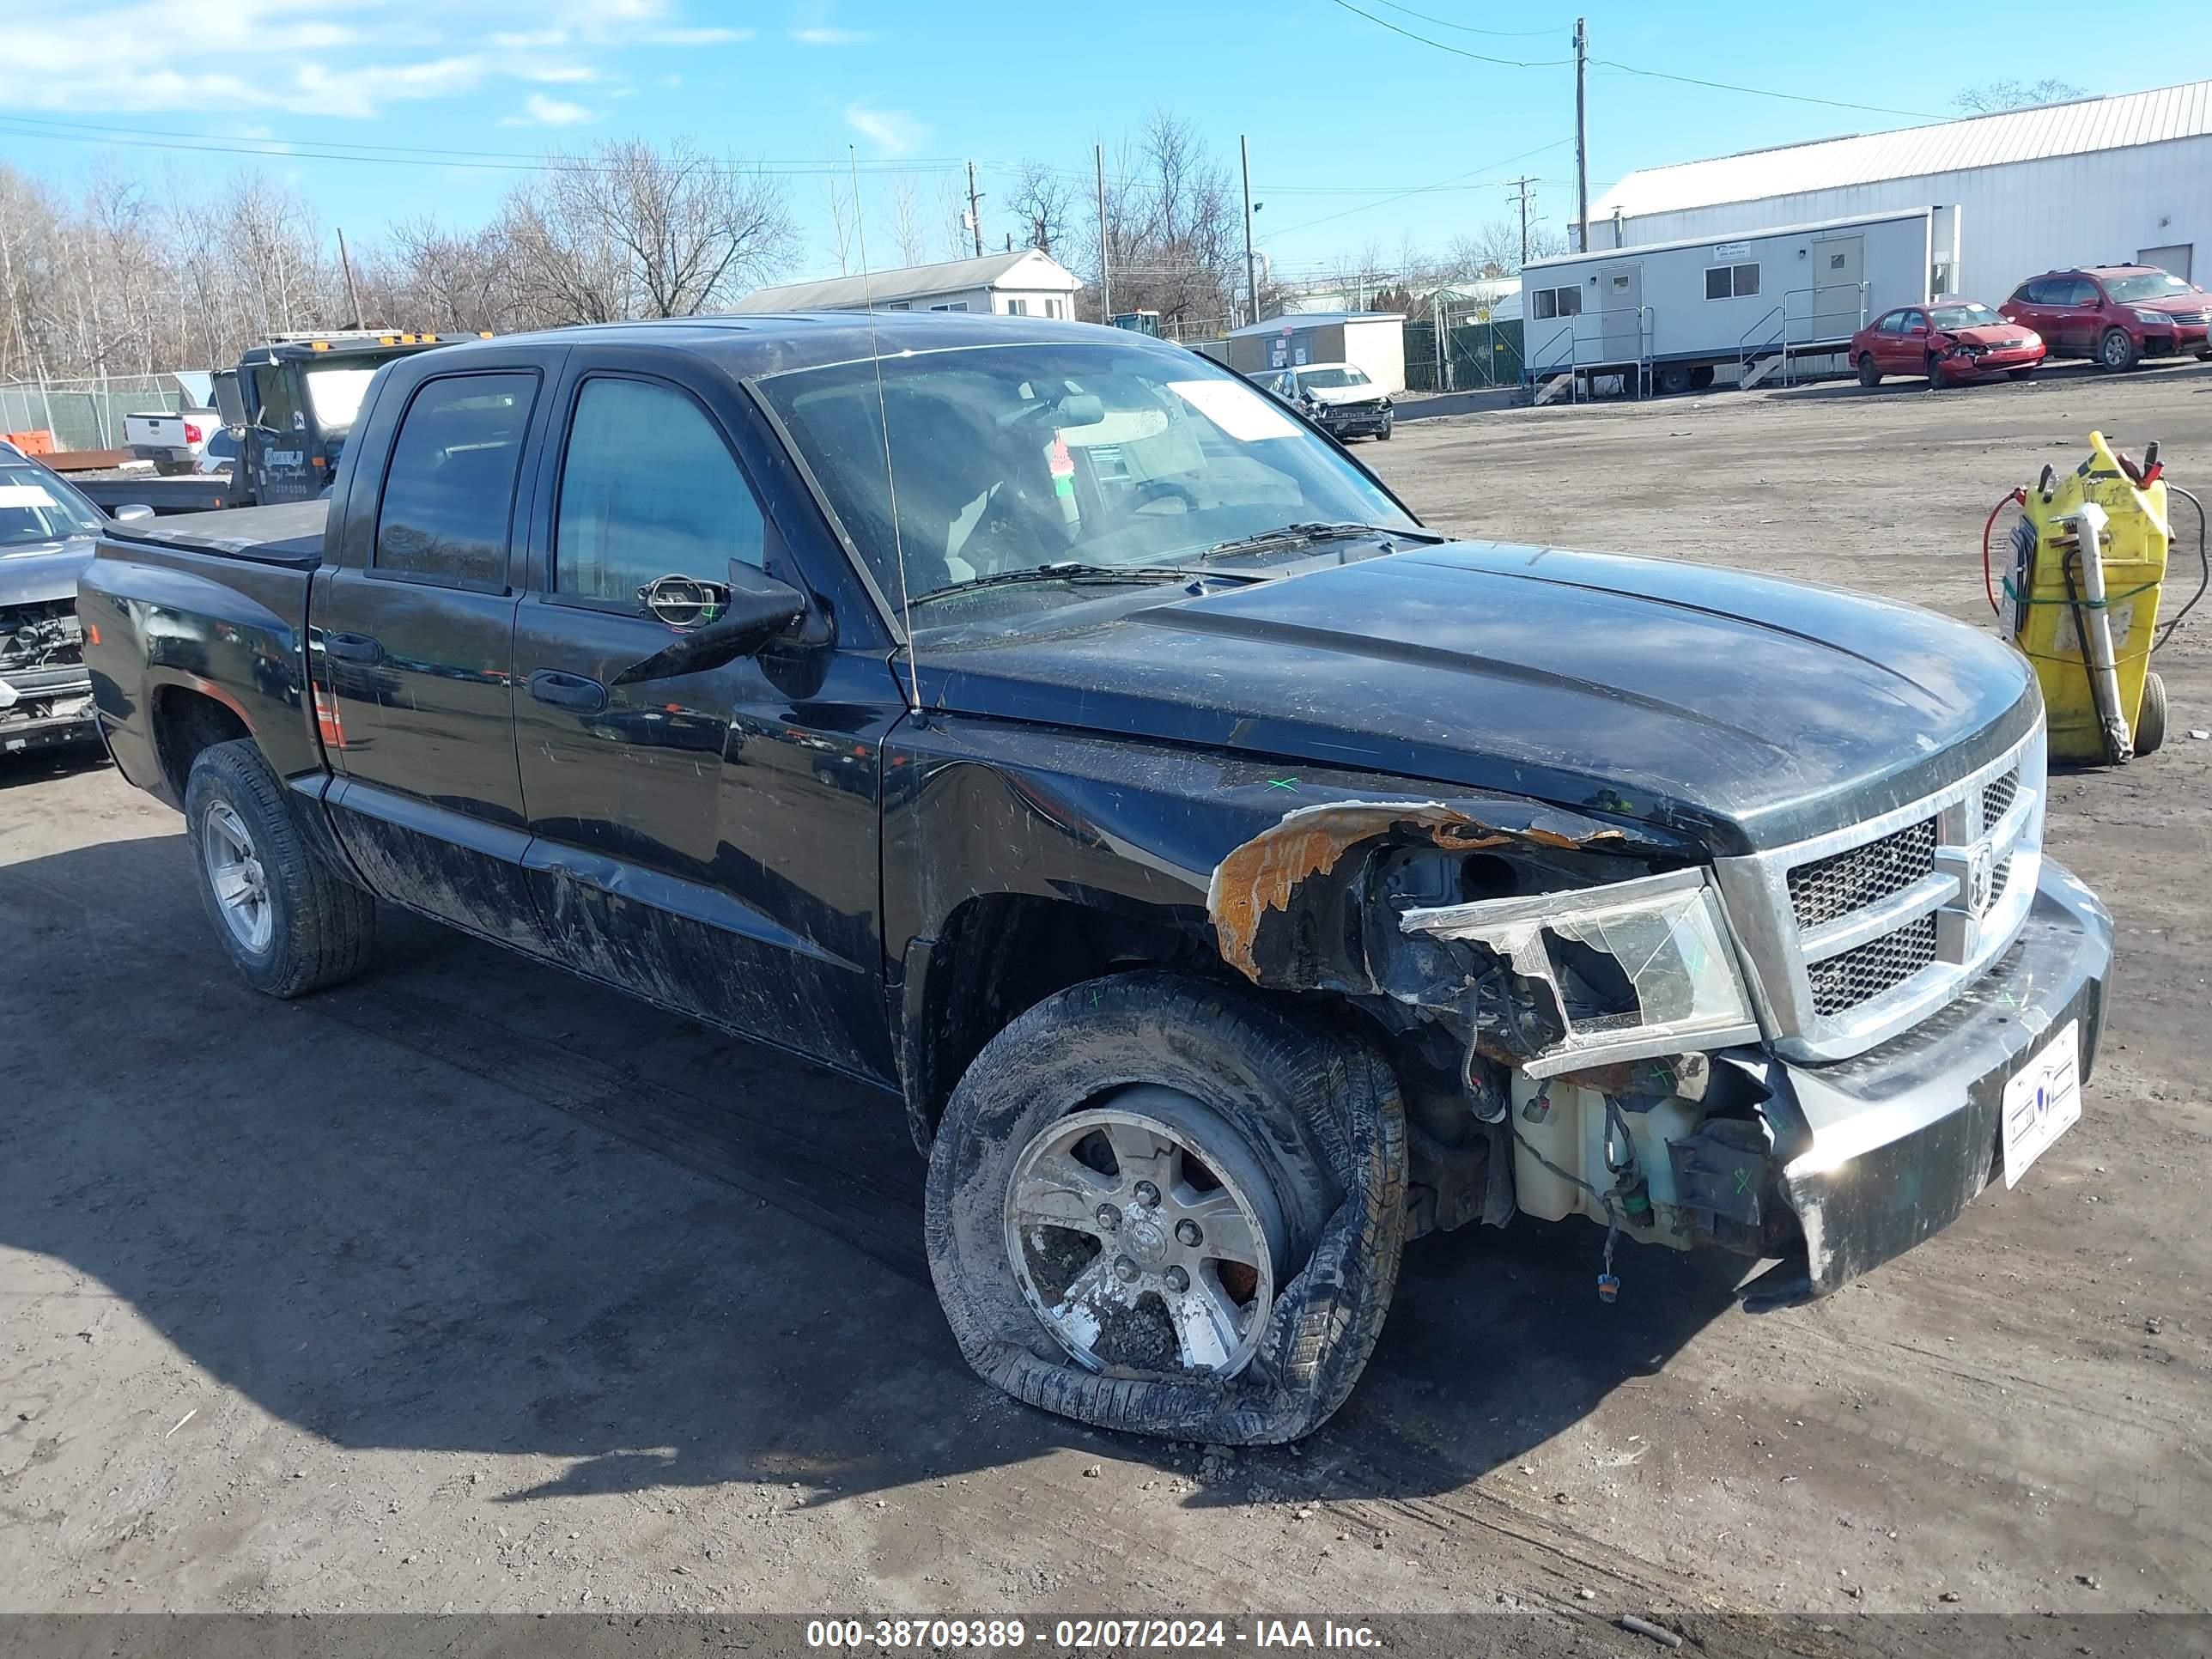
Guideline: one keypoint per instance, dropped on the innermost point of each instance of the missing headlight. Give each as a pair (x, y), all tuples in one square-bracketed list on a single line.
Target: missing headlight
[(1633, 969)]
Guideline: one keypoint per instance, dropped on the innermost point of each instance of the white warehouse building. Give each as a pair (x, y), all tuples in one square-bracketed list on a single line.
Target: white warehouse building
[(2098, 181)]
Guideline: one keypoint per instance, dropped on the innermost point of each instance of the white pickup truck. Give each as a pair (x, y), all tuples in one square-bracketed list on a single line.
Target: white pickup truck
[(173, 442)]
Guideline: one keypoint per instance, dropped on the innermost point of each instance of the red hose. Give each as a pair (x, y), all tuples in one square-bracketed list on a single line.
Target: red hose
[(1989, 586)]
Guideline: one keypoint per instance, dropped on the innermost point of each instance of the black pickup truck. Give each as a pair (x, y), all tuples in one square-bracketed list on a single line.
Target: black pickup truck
[(1231, 878)]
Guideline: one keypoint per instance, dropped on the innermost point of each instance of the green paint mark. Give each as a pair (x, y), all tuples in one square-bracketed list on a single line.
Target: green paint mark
[(1290, 784)]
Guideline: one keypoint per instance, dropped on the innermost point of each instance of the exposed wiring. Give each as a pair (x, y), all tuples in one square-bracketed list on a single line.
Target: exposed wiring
[(1989, 585), (1608, 1286), (2203, 559)]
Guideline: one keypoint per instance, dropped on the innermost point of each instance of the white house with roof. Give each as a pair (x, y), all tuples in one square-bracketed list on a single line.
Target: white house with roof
[(1026, 282), (2125, 180)]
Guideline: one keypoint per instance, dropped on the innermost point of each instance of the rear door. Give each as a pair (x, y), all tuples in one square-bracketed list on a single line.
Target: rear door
[(708, 840), (414, 640), (276, 443), (2078, 315)]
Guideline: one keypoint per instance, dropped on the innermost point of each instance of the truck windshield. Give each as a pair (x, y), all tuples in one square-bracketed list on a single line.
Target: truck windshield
[(37, 506), (1006, 458), (335, 393)]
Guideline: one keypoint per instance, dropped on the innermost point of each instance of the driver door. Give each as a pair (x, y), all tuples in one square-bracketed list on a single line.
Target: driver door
[(707, 840)]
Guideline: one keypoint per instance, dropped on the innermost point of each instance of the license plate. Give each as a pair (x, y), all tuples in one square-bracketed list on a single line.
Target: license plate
[(2041, 1101)]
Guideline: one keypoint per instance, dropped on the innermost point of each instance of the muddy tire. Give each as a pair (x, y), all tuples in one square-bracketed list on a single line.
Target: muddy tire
[(1868, 374), (1294, 1137), (2150, 718), (288, 922)]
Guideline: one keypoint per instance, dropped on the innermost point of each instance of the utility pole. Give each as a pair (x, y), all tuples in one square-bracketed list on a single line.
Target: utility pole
[(1582, 135), (975, 211), (1521, 185), (353, 295), (1105, 272), (1251, 270)]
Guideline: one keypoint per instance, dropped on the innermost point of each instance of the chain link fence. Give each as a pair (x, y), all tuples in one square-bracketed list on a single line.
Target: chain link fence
[(85, 414)]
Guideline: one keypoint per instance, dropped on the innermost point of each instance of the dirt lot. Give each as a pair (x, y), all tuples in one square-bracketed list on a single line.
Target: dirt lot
[(469, 1286)]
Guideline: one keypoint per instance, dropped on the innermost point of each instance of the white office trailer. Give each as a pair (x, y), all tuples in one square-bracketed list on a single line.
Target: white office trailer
[(2120, 181), (1746, 306)]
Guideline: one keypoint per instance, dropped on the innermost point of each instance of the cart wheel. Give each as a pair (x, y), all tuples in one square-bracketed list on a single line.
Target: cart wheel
[(2150, 719)]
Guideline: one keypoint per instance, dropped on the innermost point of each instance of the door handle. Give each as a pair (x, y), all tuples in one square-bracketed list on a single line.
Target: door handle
[(567, 690), (353, 647)]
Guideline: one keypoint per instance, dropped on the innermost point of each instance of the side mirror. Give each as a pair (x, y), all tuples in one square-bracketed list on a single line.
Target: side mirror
[(753, 610), (136, 513)]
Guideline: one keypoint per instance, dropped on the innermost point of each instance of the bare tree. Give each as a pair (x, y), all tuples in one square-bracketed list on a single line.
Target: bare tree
[(840, 196), (1173, 228), (909, 230), (1043, 206), (627, 230), (1992, 96)]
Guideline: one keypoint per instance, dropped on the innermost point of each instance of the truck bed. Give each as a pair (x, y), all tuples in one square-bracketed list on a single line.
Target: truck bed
[(168, 497), (289, 533)]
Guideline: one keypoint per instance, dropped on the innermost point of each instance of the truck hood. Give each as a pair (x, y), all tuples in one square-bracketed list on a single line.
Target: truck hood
[(32, 574), (1747, 712)]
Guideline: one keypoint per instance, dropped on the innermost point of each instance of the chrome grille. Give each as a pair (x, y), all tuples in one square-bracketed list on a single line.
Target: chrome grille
[(1850, 937), (1843, 982), (1832, 887), (1997, 796)]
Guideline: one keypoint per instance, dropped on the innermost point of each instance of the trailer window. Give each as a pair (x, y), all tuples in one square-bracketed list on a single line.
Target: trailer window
[(1731, 282), (1558, 302)]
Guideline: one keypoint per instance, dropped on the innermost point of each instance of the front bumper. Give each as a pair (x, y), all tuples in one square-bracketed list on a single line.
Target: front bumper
[(1994, 362), (1353, 423), (1887, 1149), (40, 707)]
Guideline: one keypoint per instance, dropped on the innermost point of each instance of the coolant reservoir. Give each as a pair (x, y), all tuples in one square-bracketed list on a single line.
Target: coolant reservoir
[(1567, 1132)]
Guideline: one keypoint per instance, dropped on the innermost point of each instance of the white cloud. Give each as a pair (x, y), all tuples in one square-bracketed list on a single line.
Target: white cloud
[(539, 111), (559, 74), (531, 39), (893, 131), (696, 37), (821, 35)]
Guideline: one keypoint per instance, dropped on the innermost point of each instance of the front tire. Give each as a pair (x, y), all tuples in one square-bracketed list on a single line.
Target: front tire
[(288, 922), (1383, 432), (1938, 376), (1158, 1204), (1868, 374), (2117, 352)]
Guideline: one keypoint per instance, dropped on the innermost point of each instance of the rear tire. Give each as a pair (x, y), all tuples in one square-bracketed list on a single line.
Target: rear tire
[(1675, 380), (2117, 352), (289, 923), (2150, 719), (1868, 374), (1302, 1128)]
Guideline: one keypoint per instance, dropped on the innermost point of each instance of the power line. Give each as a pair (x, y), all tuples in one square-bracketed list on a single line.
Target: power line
[(1327, 218), (1456, 51), (1469, 28), (1631, 69), (1768, 92)]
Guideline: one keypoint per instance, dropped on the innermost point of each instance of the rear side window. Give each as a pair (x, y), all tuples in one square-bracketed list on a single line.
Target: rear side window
[(449, 489), (648, 490)]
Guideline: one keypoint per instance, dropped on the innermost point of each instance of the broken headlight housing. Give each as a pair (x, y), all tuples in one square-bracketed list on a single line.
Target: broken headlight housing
[(1630, 969)]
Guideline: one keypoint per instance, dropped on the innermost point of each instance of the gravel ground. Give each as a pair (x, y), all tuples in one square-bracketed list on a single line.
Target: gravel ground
[(468, 1285)]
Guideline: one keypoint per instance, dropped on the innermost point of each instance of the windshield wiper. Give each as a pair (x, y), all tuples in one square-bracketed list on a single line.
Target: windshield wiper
[(1068, 571), (1304, 535)]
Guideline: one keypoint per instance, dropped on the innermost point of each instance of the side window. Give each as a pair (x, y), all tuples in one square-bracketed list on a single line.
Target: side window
[(648, 490), (2086, 292), (2032, 294), (1911, 320), (1893, 322), (449, 486), (280, 410), (1718, 285)]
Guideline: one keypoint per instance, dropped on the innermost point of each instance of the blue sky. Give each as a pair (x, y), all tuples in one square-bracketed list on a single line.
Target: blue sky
[(1344, 113)]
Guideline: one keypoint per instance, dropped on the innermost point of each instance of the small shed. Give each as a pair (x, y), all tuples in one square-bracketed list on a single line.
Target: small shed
[(1372, 340)]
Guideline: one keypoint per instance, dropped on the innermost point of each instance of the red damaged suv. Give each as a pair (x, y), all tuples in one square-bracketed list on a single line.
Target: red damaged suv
[(2117, 314), (1949, 340)]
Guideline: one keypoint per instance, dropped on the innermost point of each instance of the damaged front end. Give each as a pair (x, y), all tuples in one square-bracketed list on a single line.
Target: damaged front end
[(1556, 985), (45, 694), (1578, 1031)]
